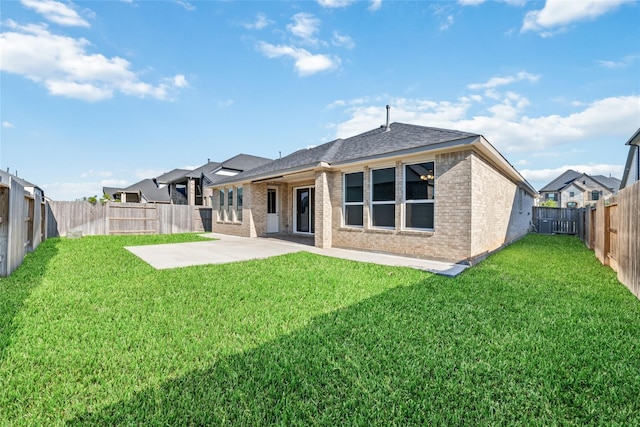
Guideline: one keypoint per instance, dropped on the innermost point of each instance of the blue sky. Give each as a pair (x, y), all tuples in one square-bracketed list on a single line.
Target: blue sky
[(107, 93)]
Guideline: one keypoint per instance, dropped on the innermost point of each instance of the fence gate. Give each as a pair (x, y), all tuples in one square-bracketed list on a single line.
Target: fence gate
[(133, 218), (556, 220)]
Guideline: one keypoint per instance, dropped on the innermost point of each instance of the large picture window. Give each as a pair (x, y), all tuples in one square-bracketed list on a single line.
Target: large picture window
[(419, 194), (353, 198), (383, 197)]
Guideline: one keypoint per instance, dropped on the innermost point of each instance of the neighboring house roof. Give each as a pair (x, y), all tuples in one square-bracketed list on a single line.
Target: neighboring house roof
[(576, 185), (398, 139), (607, 181), (633, 161), (562, 181), (234, 166), (582, 181), (111, 191), (147, 188), (150, 191), (207, 167), (243, 162), (172, 176)]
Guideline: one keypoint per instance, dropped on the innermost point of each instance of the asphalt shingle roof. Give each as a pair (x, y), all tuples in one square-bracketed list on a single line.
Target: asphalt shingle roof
[(207, 167), (560, 182), (172, 176), (150, 191), (243, 162), (609, 182), (379, 141)]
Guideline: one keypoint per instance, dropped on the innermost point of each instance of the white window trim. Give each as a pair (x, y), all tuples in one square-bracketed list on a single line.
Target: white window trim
[(345, 203), (384, 202), (405, 201)]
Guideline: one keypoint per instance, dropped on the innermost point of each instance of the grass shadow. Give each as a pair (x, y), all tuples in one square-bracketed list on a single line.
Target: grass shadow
[(17, 287), (412, 355)]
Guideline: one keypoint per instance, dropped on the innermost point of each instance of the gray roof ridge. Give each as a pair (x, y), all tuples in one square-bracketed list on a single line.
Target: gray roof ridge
[(332, 150), (452, 131), (560, 181)]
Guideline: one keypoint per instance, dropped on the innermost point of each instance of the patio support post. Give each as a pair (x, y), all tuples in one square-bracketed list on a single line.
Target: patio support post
[(323, 211)]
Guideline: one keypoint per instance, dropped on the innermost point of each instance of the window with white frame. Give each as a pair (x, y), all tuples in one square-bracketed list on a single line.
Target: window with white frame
[(419, 195), (230, 204), (239, 204), (353, 199), (383, 197)]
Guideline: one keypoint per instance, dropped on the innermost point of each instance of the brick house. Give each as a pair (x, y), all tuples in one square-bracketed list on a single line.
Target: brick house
[(401, 189)]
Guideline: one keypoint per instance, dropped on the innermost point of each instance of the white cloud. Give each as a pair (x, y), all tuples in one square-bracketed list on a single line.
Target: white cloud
[(305, 26), (495, 82), (478, 2), (63, 65), (225, 104), (504, 123), (260, 23), (342, 40), (507, 127), (447, 23), (188, 6), (622, 63), (335, 3), (179, 80), (559, 14), (375, 5), (56, 12), (91, 173), (306, 63), (68, 191), (84, 91), (7, 125)]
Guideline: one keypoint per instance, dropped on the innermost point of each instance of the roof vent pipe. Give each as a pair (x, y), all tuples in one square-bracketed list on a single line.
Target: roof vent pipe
[(386, 128)]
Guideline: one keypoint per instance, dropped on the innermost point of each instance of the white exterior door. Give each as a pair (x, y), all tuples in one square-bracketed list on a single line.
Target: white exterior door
[(273, 211)]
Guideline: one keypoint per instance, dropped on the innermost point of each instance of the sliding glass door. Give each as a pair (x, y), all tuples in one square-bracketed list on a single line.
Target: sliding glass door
[(304, 198)]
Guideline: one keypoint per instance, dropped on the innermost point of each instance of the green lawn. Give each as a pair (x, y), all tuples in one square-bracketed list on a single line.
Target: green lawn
[(538, 334)]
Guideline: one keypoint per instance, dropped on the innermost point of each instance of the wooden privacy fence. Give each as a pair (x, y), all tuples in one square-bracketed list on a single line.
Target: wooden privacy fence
[(22, 222), (87, 219), (556, 220), (612, 229)]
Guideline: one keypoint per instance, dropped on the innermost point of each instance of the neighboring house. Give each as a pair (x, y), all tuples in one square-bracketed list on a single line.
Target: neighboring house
[(226, 169), (575, 189), (145, 191), (632, 167), (183, 186), (175, 182), (401, 189), (187, 187)]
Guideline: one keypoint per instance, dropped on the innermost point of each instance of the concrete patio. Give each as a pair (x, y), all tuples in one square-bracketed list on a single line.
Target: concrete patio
[(226, 248)]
